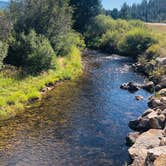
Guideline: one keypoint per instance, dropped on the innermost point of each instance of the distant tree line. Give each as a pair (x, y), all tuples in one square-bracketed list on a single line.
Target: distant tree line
[(147, 10)]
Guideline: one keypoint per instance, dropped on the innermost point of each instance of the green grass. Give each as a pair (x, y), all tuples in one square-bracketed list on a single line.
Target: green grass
[(15, 92)]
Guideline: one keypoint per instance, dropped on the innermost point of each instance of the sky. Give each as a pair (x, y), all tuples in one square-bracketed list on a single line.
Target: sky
[(110, 4)]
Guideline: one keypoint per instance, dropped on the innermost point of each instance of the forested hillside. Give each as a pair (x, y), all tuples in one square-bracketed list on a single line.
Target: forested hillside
[(148, 10)]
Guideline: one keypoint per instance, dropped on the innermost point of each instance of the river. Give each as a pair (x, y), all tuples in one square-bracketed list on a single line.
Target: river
[(82, 122)]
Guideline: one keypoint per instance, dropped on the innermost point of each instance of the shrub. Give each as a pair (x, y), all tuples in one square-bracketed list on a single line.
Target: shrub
[(109, 42), (153, 52), (135, 42), (136, 23), (68, 41), (32, 52), (3, 52), (101, 25)]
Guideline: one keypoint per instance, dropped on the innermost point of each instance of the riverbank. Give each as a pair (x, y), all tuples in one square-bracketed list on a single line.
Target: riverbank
[(17, 92), (148, 142)]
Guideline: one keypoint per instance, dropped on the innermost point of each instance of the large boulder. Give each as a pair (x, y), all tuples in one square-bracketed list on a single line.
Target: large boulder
[(160, 161), (161, 85), (143, 143), (154, 153), (159, 103), (151, 119), (131, 138), (149, 86)]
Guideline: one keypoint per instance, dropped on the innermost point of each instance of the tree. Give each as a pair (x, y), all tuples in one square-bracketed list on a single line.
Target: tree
[(115, 13), (124, 12), (84, 11), (47, 17), (5, 29), (147, 10)]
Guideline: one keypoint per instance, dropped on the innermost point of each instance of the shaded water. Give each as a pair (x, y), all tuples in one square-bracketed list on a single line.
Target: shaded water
[(80, 123)]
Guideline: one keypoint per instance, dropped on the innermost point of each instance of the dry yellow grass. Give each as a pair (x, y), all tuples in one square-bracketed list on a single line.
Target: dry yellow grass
[(157, 27)]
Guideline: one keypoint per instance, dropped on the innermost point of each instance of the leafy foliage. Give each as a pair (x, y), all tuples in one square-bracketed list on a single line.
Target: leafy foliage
[(84, 11), (135, 42), (47, 17), (32, 52)]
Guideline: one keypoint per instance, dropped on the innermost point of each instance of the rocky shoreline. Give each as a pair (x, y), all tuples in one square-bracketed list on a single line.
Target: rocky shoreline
[(147, 144)]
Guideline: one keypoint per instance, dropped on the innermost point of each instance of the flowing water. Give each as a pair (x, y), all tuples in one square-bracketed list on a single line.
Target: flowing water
[(80, 123)]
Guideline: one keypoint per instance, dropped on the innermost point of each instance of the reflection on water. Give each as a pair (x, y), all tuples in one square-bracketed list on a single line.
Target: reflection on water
[(80, 123)]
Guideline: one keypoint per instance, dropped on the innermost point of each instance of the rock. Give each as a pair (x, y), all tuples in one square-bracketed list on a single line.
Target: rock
[(50, 84), (162, 92), (33, 99), (161, 61), (131, 138), (161, 85), (130, 86), (138, 68), (154, 153), (143, 143), (139, 97), (140, 124), (147, 112), (154, 102), (151, 119), (157, 121), (149, 86), (160, 161)]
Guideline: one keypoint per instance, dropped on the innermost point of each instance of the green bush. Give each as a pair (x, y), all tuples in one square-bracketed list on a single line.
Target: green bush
[(66, 42), (100, 26), (153, 52), (109, 42), (3, 52), (135, 42), (136, 24), (32, 52)]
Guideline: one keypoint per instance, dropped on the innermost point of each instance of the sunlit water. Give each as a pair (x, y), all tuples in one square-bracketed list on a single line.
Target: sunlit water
[(80, 123)]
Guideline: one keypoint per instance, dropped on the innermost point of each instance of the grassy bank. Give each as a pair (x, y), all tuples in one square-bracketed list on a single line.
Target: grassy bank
[(16, 91)]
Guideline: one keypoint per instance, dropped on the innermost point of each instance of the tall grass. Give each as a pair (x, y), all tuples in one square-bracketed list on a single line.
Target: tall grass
[(15, 92)]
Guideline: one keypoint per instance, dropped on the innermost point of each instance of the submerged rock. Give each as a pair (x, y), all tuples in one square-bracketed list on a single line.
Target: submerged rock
[(139, 97), (130, 86)]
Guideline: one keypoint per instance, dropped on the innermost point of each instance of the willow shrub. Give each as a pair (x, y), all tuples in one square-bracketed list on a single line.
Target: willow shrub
[(136, 42), (109, 42)]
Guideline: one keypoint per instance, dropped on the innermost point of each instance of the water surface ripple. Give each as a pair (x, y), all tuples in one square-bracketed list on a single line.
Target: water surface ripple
[(80, 123)]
